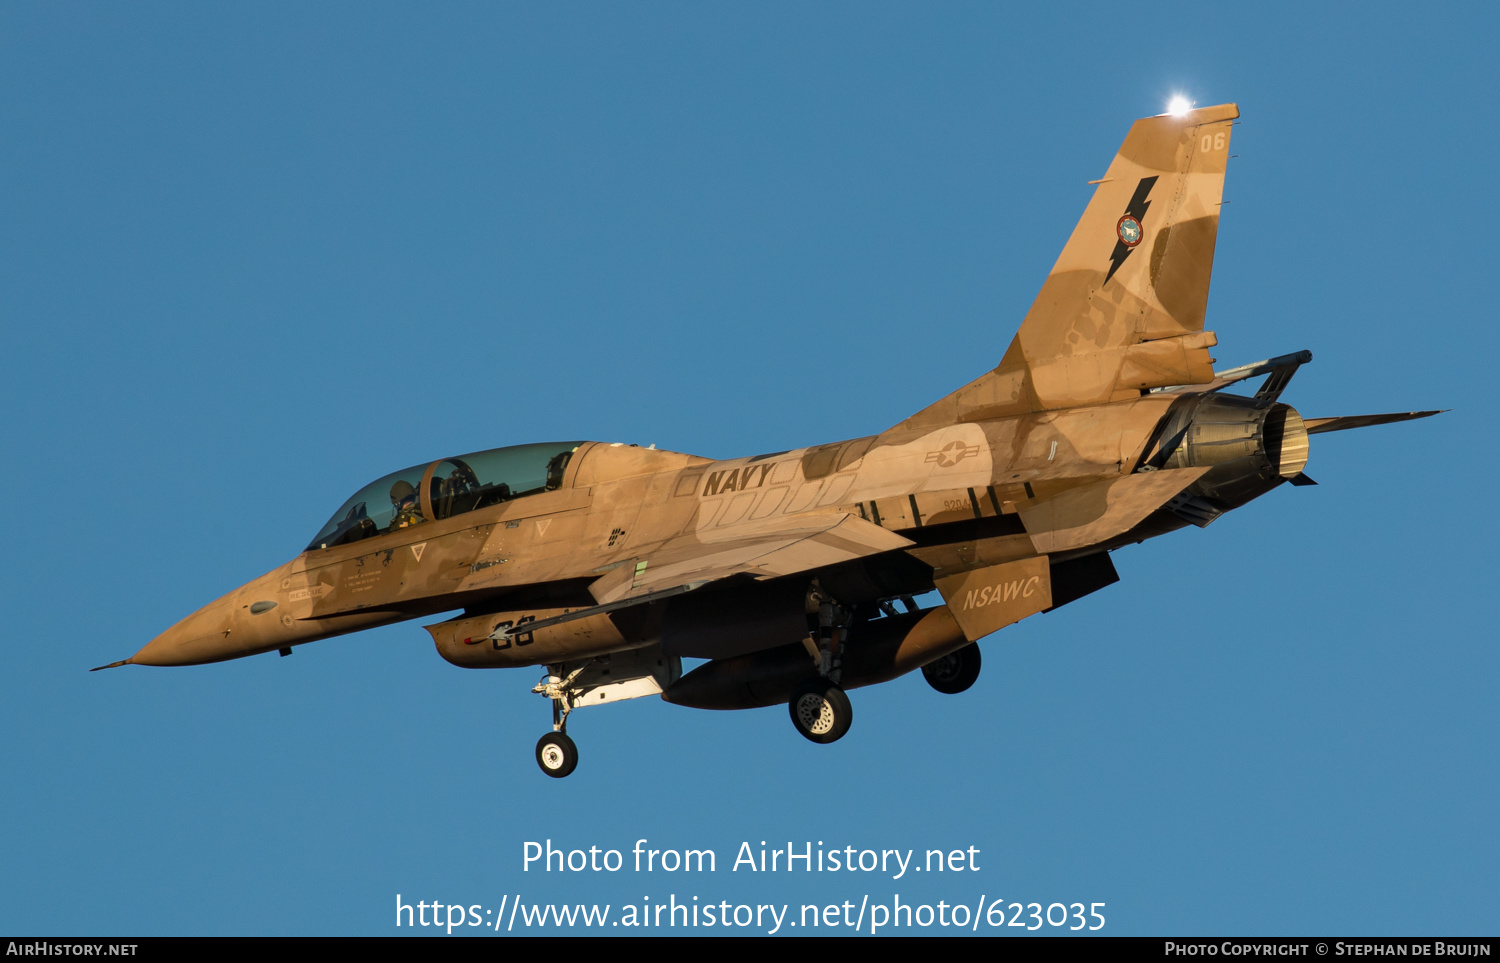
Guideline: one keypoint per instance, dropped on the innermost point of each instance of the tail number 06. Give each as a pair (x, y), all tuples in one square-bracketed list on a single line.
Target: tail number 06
[(1211, 142)]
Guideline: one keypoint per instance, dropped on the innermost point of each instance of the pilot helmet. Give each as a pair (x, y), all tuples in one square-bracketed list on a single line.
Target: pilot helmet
[(401, 491)]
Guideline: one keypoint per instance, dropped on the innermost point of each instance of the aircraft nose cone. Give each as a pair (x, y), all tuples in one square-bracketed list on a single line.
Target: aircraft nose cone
[(204, 636)]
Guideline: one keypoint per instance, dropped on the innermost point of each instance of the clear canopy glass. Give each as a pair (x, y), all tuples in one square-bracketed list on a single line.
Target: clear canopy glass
[(460, 484)]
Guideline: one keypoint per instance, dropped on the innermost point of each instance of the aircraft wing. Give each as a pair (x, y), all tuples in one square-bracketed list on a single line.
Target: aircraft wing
[(780, 546)]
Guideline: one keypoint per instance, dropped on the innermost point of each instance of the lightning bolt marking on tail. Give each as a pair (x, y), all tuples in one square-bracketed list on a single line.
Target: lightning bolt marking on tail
[(1136, 209)]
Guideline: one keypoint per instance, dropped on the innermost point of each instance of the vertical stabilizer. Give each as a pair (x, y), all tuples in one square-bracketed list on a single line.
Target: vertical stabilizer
[(1122, 310)]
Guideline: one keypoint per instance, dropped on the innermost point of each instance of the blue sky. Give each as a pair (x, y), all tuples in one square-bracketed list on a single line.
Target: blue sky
[(254, 256)]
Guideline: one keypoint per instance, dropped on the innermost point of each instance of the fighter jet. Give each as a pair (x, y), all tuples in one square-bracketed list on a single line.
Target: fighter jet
[(795, 573)]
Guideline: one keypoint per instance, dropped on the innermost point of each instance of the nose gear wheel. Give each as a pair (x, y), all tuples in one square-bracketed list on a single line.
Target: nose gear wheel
[(556, 754)]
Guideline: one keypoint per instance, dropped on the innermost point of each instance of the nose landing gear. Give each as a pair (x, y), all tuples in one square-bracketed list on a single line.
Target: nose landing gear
[(600, 680), (556, 753)]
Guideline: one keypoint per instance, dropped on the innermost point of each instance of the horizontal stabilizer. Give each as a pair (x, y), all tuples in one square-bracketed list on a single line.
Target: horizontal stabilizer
[(1317, 425), (1101, 510)]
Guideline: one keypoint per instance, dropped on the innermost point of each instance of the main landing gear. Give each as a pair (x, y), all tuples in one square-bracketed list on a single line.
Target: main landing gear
[(954, 672), (820, 710)]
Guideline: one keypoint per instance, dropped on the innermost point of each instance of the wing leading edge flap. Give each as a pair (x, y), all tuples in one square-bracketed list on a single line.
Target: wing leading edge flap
[(1101, 510), (781, 546)]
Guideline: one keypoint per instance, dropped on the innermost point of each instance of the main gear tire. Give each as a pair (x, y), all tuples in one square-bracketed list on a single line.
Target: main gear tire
[(821, 711), (556, 754), (954, 672)]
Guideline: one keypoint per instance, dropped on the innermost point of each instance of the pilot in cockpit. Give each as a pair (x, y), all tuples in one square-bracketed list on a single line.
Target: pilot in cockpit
[(408, 505)]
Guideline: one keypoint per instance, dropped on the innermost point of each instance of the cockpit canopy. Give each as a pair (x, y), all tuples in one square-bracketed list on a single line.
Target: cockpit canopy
[(445, 488)]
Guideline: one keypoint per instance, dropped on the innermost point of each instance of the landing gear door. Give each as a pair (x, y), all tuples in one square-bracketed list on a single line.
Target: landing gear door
[(626, 675)]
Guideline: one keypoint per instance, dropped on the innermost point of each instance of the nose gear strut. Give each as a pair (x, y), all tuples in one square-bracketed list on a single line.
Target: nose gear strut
[(556, 753)]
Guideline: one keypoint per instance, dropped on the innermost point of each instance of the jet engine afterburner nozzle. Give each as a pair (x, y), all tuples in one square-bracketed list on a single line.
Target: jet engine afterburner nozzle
[(1219, 429), (1286, 434), (1249, 445)]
